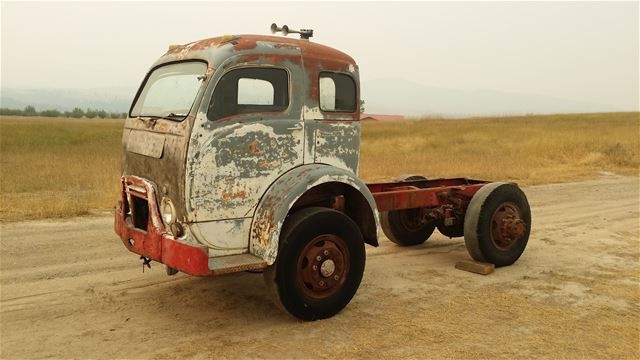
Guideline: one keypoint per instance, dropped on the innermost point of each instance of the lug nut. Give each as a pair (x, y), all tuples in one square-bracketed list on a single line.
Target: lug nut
[(318, 258), (326, 253), (321, 283), (315, 267), (336, 277)]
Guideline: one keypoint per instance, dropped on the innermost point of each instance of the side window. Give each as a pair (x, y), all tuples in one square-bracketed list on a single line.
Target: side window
[(250, 90), (255, 92), (337, 92)]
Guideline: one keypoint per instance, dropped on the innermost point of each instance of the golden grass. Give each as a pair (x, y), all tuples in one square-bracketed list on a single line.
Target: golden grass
[(58, 167), (526, 149), (68, 167)]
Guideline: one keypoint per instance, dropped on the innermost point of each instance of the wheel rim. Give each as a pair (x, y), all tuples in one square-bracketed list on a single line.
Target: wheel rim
[(507, 226), (323, 266), (411, 219)]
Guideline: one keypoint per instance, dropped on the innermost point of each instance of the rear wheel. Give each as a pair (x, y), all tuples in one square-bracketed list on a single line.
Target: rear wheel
[(456, 230), (406, 227), (497, 224), (319, 265)]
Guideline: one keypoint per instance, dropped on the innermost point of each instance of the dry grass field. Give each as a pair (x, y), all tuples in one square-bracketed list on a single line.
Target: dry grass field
[(68, 167), (526, 149), (58, 167)]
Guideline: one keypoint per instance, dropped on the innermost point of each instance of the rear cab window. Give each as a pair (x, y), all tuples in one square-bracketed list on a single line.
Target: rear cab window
[(250, 90), (337, 92)]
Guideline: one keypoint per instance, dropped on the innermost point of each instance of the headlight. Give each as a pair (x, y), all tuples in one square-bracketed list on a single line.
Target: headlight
[(168, 211)]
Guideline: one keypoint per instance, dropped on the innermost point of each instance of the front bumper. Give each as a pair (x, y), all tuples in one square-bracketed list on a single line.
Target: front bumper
[(145, 235)]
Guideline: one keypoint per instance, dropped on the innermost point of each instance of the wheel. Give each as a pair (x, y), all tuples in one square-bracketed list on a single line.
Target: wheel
[(319, 265), (406, 227), (497, 224), (408, 177), (456, 230)]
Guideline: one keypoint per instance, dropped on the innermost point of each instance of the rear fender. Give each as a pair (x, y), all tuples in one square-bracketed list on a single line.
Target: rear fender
[(278, 200)]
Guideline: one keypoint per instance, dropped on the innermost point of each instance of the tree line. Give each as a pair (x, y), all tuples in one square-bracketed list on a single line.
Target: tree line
[(75, 113)]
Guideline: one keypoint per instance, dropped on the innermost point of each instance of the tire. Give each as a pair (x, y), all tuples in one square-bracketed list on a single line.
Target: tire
[(497, 224), (409, 177), (400, 226), (456, 230), (404, 227), (320, 263)]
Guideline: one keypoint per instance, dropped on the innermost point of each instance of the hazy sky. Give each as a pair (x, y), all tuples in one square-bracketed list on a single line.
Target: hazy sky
[(584, 51)]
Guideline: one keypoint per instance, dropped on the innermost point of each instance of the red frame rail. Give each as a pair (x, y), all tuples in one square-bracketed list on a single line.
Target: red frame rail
[(413, 194)]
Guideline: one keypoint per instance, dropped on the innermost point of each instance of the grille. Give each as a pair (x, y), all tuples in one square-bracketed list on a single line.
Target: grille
[(137, 210)]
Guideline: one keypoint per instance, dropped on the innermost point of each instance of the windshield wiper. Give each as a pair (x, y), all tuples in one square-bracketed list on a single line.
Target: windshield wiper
[(174, 115), (170, 116)]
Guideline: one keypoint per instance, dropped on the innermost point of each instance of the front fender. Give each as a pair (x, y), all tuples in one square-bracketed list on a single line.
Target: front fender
[(275, 204)]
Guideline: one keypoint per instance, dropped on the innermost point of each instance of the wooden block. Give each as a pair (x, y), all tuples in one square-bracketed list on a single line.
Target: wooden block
[(475, 267)]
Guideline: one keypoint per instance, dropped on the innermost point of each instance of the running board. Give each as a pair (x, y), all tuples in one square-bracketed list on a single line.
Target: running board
[(235, 263)]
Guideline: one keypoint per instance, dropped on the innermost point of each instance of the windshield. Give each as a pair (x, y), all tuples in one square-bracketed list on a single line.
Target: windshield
[(170, 90)]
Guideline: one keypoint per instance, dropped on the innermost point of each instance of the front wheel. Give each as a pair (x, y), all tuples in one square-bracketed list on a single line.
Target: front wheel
[(320, 263)]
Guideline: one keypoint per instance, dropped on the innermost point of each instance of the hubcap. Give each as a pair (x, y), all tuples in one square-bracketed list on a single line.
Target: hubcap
[(323, 266), (327, 268), (507, 226), (412, 219)]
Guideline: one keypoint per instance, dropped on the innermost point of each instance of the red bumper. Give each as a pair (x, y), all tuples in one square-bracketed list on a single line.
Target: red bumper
[(149, 238)]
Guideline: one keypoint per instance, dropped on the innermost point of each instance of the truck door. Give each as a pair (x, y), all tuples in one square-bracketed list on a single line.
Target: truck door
[(251, 134), (333, 119)]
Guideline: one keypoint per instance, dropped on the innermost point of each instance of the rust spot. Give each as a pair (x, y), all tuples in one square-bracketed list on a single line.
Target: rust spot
[(264, 164), (227, 196), (265, 229), (254, 149), (203, 44), (246, 43), (241, 194)]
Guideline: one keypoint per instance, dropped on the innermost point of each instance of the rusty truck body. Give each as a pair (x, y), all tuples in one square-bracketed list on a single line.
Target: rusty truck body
[(241, 153)]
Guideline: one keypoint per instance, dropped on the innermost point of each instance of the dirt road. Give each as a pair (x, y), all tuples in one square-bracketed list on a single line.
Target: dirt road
[(69, 289)]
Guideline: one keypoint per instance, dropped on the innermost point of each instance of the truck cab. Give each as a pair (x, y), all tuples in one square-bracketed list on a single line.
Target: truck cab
[(241, 153), (225, 136)]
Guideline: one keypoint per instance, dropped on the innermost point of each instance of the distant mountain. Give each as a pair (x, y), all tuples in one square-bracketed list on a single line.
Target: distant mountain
[(395, 96), (112, 99), (383, 96)]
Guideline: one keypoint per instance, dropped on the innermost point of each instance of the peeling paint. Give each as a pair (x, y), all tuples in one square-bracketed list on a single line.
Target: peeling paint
[(221, 173), (277, 201), (234, 181)]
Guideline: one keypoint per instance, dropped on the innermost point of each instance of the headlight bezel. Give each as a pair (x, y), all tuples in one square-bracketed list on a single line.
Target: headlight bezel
[(167, 211)]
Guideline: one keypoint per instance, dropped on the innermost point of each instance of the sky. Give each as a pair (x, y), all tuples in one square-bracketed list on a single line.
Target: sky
[(583, 51)]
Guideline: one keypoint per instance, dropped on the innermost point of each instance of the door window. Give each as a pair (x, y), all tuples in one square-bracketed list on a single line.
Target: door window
[(250, 90)]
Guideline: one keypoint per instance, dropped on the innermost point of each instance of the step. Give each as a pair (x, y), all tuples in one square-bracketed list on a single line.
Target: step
[(235, 263)]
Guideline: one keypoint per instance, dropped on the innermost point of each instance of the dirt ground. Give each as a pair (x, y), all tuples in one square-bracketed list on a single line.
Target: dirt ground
[(69, 289)]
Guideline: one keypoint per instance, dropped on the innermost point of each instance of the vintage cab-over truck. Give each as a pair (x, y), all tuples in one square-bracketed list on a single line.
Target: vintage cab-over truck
[(241, 154)]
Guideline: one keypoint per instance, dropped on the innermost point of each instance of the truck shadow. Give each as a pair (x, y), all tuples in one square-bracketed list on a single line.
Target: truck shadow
[(243, 298), (222, 300)]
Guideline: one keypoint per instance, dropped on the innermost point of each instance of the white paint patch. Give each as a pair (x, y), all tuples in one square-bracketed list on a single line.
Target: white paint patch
[(311, 112), (224, 237), (146, 143)]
